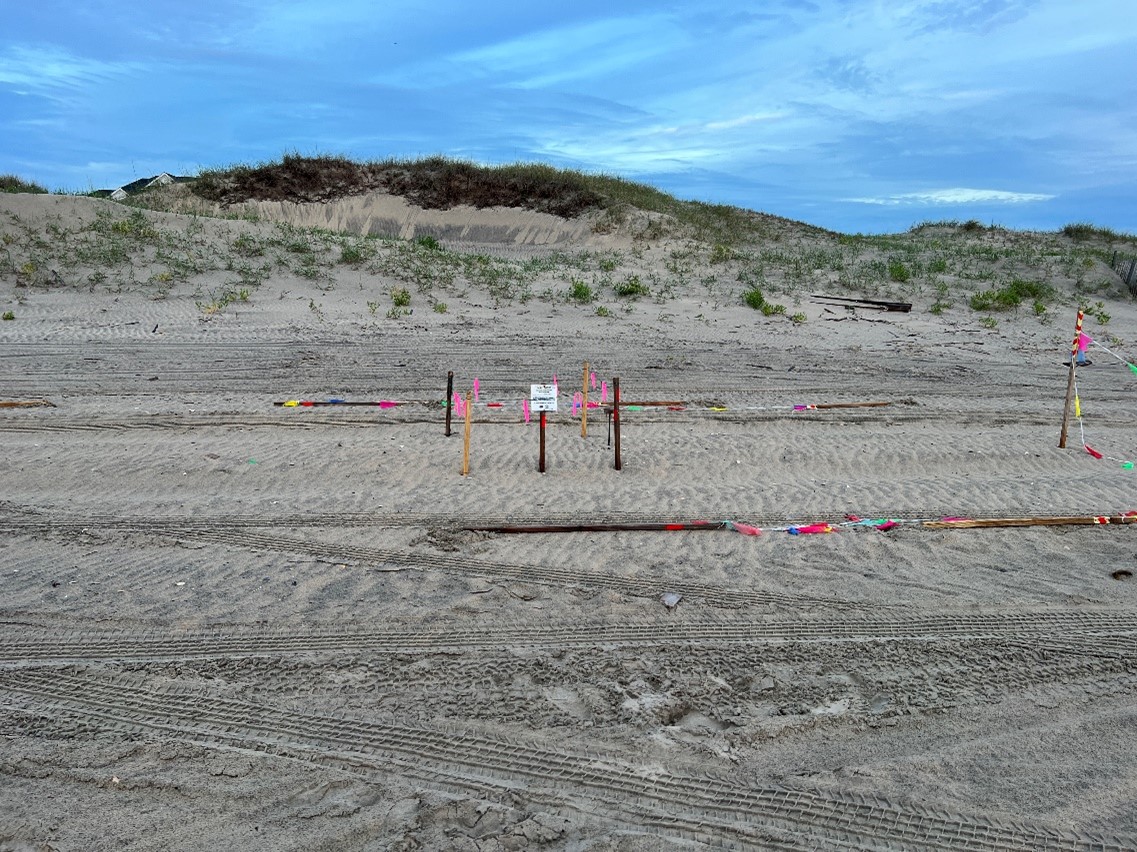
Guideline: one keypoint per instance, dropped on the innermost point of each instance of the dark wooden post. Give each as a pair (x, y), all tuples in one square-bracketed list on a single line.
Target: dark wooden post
[(616, 419), (541, 455), (449, 399)]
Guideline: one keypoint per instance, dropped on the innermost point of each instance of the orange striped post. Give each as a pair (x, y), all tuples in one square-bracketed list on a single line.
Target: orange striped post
[(584, 406), (1070, 382)]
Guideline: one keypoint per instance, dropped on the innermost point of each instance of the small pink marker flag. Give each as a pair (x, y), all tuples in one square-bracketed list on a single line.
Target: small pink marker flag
[(594, 381), (386, 403), (577, 402), (525, 408), (1084, 341), (1092, 451), (476, 386), (604, 391), (745, 529)]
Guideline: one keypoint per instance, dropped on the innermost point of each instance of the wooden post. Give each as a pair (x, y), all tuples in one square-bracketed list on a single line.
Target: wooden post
[(466, 441), (541, 455), (616, 419), (1070, 383), (584, 407), (1129, 276), (449, 399)]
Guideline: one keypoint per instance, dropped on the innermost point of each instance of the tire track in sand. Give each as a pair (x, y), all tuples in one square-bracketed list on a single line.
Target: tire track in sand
[(706, 805)]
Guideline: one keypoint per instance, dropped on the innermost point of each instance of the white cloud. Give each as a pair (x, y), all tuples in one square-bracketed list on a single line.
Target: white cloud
[(50, 71), (608, 48), (956, 196)]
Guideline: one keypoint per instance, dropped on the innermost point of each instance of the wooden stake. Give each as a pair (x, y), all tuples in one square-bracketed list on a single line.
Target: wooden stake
[(584, 407), (1060, 521), (616, 419), (1070, 383), (684, 526), (821, 405), (449, 399), (466, 441), (26, 403), (541, 456)]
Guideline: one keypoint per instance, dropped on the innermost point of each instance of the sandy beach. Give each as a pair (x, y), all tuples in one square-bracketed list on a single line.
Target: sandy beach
[(231, 623)]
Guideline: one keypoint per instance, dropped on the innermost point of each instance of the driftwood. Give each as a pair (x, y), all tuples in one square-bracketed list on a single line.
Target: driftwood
[(26, 403), (1058, 521), (871, 304)]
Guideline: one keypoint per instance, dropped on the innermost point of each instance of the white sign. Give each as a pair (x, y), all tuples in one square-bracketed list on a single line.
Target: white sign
[(542, 397)]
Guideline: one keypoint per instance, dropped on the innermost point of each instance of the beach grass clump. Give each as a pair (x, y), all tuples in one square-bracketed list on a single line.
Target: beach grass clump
[(898, 271), (580, 292), (1011, 295), (757, 300), (631, 288), (14, 183), (1084, 231)]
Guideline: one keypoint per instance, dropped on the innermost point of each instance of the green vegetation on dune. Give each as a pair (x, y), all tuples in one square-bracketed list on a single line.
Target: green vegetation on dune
[(667, 248), (13, 183), (443, 183)]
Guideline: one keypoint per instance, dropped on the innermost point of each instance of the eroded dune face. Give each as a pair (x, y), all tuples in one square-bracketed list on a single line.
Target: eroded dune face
[(384, 215)]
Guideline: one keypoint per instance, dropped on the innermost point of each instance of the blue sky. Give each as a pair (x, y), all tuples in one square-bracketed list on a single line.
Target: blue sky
[(857, 116)]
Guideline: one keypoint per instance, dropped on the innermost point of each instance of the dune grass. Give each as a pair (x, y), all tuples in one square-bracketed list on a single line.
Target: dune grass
[(14, 183)]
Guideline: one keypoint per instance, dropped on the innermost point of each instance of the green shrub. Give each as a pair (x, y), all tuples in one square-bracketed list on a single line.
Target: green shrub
[(754, 298), (1011, 296), (897, 271), (631, 288), (9, 315), (401, 297), (580, 292)]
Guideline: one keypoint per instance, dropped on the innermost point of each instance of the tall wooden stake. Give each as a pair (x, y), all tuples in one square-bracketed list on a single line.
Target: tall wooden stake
[(541, 454), (616, 419), (449, 399), (466, 441), (1070, 383), (584, 407)]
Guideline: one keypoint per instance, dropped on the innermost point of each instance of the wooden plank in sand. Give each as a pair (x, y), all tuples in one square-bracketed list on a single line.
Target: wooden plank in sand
[(1056, 521)]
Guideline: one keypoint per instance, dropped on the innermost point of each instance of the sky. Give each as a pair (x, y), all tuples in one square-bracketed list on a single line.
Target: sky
[(861, 117)]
